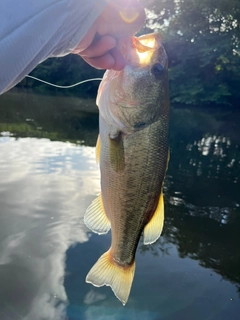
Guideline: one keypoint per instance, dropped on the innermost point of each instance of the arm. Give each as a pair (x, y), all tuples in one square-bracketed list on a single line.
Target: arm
[(32, 31)]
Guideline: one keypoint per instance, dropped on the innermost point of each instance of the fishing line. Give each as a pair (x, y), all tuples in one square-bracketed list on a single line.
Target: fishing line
[(64, 87)]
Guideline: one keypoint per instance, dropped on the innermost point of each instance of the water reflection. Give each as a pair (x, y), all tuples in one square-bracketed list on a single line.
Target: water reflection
[(25, 114), (202, 188), (46, 184), (44, 188)]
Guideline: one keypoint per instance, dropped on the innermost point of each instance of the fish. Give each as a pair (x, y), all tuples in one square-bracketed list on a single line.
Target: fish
[(133, 153)]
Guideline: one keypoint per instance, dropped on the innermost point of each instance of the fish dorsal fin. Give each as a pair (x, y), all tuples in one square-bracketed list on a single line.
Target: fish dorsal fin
[(98, 149), (95, 217), (153, 229), (107, 272)]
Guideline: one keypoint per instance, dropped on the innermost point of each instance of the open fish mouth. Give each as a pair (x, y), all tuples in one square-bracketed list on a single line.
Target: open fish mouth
[(138, 51), (147, 42), (145, 47)]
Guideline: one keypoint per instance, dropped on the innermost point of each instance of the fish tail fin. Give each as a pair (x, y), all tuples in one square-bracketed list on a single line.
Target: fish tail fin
[(107, 272)]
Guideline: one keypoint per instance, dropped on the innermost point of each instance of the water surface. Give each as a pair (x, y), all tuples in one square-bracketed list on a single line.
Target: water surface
[(48, 177)]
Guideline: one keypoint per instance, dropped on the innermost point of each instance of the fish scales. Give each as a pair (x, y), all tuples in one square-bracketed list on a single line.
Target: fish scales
[(133, 154), (131, 211)]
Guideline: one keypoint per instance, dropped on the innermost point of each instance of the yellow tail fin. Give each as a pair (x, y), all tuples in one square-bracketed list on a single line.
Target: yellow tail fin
[(106, 272)]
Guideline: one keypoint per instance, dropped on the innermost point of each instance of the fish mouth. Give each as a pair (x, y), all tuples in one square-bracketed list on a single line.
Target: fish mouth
[(147, 42), (145, 47), (140, 51)]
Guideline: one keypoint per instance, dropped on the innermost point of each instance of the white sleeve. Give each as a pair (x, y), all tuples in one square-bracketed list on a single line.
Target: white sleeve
[(33, 30)]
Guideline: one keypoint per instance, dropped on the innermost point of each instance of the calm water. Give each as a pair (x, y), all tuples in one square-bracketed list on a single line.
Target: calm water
[(48, 177)]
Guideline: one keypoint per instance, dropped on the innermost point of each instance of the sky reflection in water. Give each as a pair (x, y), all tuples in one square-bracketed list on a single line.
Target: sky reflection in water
[(44, 188), (192, 272)]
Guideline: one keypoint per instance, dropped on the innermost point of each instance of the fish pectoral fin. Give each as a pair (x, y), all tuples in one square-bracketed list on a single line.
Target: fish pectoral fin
[(116, 150), (98, 149), (95, 217), (106, 272), (153, 229)]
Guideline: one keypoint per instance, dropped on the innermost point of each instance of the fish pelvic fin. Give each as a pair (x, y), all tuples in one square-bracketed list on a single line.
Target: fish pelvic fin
[(106, 272), (153, 229), (95, 217), (98, 149)]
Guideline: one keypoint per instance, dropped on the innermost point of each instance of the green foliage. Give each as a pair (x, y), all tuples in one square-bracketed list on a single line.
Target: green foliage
[(202, 39)]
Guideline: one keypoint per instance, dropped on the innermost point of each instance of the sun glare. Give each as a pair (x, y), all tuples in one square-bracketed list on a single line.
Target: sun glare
[(146, 46)]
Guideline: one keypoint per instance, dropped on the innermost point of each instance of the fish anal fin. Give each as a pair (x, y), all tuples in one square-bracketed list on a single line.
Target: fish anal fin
[(153, 229), (106, 272), (98, 149), (95, 217)]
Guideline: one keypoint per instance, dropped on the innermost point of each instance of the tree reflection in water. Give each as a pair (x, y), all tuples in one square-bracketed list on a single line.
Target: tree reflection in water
[(202, 204)]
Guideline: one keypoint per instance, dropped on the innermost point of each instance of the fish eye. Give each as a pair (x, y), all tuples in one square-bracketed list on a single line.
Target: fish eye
[(157, 70)]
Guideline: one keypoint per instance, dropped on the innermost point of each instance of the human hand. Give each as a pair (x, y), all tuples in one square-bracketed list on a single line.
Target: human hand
[(99, 47)]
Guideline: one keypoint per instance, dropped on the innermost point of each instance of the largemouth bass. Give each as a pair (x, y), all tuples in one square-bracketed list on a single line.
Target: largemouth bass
[(132, 150)]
